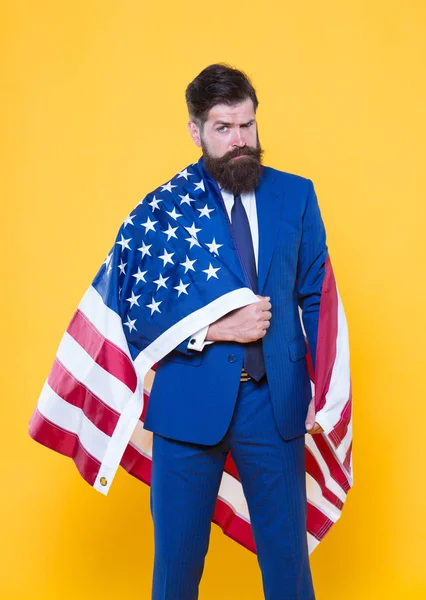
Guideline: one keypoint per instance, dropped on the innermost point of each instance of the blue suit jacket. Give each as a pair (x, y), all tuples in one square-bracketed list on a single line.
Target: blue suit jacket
[(194, 393)]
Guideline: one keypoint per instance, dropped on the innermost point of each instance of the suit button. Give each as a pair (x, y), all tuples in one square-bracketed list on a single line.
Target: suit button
[(231, 358)]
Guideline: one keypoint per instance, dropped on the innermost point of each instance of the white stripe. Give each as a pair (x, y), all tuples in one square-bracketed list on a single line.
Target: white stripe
[(72, 419), (332, 485), (339, 389), (312, 543), (316, 498), (141, 440), (343, 447), (104, 319), (231, 492), (81, 365)]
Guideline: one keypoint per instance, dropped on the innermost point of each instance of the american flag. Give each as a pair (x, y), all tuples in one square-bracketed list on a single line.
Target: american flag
[(165, 278)]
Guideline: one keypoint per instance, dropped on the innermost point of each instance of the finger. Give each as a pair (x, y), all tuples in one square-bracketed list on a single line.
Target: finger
[(263, 305), (310, 417), (266, 316), (316, 429)]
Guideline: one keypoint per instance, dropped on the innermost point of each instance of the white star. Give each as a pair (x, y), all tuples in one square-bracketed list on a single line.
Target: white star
[(140, 275), (166, 258), (170, 232), (107, 263), (205, 212), (107, 260), (133, 300), (129, 220), (168, 187), (149, 225), (200, 185), (186, 199), (161, 282), (213, 247), (175, 215), (211, 272), (122, 267), (130, 324), (154, 203), (154, 306), (185, 174), (188, 264), (124, 243), (192, 230), (193, 242), (181, 288), (145, 249)]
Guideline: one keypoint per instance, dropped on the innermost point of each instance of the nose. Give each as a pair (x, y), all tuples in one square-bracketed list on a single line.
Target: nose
[(238, 140)]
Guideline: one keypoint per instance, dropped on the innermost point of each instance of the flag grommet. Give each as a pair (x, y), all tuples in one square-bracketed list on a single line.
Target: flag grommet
[(103, 481)]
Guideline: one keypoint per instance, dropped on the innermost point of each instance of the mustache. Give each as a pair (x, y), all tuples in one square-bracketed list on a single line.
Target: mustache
[(243, 151)]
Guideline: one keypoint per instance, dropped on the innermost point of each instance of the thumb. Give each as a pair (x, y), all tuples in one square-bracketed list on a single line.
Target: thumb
[(310, 417)]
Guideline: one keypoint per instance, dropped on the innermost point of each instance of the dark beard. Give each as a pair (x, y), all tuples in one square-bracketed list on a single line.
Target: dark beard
[(237, 176)]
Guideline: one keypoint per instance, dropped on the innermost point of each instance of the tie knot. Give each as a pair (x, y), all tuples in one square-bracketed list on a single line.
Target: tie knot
[(237, 198)]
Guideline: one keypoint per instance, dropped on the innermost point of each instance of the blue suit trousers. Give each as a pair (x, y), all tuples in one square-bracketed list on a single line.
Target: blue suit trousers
[(184, 486)]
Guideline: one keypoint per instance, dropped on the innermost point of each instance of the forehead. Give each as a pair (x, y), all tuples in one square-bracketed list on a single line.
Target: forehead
[(237, 113)]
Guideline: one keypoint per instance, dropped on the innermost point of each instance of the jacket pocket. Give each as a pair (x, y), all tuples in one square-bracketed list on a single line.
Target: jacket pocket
[(297, 349)]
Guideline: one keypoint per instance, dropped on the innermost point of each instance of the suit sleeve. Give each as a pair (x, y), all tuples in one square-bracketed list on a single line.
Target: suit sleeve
[(311, 268)]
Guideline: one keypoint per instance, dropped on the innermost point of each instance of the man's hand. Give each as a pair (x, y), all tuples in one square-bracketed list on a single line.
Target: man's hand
[(311, 425), (243, 325)]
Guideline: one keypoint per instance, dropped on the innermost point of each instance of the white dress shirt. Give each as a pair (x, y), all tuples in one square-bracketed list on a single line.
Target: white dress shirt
[(198, 339)]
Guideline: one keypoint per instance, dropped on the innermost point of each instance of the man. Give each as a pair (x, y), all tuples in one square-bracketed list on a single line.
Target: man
[(244, 396), (205, 280)]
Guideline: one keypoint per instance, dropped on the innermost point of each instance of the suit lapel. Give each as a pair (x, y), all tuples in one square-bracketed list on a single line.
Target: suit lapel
[(268, 205)]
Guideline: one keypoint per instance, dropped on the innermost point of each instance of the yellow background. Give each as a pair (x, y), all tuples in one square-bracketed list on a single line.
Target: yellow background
[(93, 118)]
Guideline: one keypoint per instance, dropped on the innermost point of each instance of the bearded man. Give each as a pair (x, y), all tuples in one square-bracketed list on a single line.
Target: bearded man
[(241, 384), (207, 279)]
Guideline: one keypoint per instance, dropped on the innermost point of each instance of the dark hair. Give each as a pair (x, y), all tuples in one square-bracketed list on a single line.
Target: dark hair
[(217, 84)]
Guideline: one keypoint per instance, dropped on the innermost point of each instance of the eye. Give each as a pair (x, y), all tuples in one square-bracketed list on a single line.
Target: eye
[(222, 128)]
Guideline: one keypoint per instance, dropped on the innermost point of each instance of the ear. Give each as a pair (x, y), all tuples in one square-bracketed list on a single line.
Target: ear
[(194, 132)]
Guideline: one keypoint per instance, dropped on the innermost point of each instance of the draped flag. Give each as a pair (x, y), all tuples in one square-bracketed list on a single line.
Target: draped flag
[(165, 278)]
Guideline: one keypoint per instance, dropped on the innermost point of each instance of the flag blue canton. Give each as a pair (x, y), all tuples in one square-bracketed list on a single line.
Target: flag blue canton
[(169, 258)]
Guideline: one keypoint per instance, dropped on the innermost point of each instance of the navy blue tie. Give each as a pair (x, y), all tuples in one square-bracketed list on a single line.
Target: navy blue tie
[(253, 352)]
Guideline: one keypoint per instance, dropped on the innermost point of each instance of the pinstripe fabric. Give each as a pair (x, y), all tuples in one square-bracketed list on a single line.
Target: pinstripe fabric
[(185, 480), (292, 255)]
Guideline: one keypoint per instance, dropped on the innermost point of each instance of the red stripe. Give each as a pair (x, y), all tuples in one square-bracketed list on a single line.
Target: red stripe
[(74, 392), (64, 442), (313, 468), (327, 335), (137, 464), (340, 430), (331, 461), (145, 406), (230, 467), (233, 526), (106, 354), (317, 523)]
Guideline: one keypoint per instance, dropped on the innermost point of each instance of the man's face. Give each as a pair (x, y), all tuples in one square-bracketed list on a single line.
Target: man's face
[(230, 145), (227, 128)]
